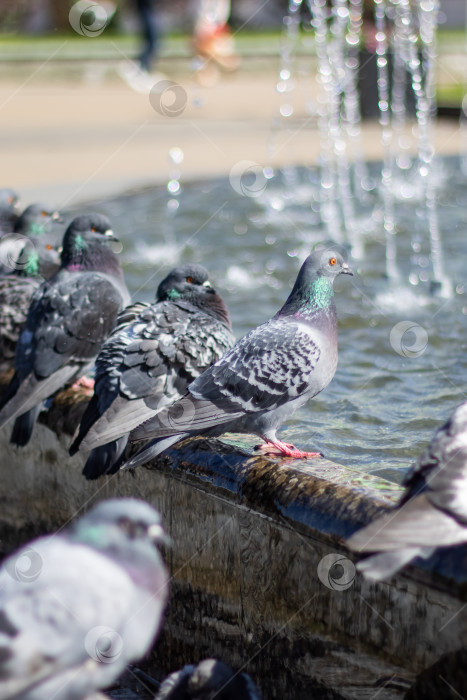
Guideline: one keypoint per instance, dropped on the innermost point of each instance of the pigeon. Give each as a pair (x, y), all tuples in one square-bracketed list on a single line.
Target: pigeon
[(432, 512), (36, 219), (16, 291), (8, 209), (76, 607), (32, 227), (69, 318), (266, 376), (209, 679), (148, 362)]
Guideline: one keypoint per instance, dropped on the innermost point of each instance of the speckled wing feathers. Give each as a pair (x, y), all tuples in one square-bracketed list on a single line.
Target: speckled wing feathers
[(70, 321), (270, 366), (148, 365), (15, 297)]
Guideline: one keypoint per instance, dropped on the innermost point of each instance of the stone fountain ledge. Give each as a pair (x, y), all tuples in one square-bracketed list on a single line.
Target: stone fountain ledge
[(248, 535)]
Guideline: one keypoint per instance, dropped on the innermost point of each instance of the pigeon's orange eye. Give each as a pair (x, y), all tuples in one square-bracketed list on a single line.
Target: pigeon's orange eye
[(43, 213), (332, 261), (94, 230), (48, 246), (189, 280)]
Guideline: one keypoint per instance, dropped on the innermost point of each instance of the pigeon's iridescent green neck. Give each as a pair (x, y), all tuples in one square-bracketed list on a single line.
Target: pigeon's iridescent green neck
[(173, 294), (79, 243), (32, 266), (321, 293)]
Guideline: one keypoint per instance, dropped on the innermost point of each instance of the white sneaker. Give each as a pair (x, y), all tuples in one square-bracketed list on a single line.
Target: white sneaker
[(137, 78)]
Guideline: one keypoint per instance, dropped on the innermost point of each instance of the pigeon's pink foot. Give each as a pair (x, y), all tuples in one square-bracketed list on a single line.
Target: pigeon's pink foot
[(86, 384), (284, 449)]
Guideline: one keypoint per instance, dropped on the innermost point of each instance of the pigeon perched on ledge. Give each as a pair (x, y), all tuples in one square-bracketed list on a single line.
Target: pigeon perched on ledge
[(267, 375), (69, 318), (207, 680), (149, 360), (76, 607), (432, 512)]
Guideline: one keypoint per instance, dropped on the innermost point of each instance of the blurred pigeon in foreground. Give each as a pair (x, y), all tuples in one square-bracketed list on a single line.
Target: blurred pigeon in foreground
[(78, 606), (148, 362), (209, 679), (33, 226), (8, 209), (69, 318), (267, 375), (432, 512)]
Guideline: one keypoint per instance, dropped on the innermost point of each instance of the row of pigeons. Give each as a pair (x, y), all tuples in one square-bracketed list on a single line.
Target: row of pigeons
[(163, 372), (170, 370), (61, 305)]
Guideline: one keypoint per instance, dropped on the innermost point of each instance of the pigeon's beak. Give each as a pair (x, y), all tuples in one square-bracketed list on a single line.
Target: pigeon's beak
[(109, 234), (57, 218), (208, 287), (158, 535), (345, 269)]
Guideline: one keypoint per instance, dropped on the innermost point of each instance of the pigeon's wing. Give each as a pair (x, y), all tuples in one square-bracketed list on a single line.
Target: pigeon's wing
[(68, 321), (441, 470), (15, 297), (148, 365), (268, 367), (56, 601), (414, 524), (129, 315)]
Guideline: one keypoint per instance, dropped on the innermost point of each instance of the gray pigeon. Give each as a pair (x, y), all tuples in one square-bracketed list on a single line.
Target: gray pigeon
[(16, 291), (149, 360), (267, 375), (432, 512), (8, 209), (208, 680), (76, 607), (33, 226), (69, 318)]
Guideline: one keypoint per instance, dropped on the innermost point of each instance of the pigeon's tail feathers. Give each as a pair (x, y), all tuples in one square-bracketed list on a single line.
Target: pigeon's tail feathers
[(385, 564), (105, 459), (188, 414), (32, 391), (118, 420), (23, 427), (153, 449)]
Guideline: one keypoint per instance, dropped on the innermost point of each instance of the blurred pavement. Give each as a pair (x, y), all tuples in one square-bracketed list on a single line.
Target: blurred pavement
[(74, 131)]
